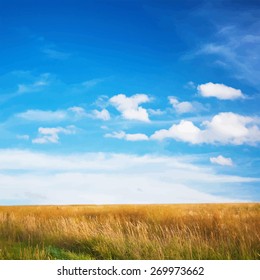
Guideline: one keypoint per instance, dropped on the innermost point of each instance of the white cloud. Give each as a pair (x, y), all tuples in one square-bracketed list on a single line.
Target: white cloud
[(230, 128), (41, 115), (129, 106), (219, 91), (221, 160), (224, 128), (98, 177), (51, 134), (128, 137), (102, 115), (185, 131), (181, 107), (136, 137)]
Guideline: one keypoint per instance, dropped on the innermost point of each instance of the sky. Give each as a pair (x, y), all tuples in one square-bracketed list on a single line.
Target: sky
[(113, 102)]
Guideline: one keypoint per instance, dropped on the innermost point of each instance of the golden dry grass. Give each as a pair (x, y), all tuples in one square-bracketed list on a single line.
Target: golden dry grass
[(201, 231)]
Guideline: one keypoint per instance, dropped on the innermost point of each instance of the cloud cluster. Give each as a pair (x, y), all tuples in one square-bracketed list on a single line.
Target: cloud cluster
[(219, 91), (51, 134), (223, 128), (130, 107)]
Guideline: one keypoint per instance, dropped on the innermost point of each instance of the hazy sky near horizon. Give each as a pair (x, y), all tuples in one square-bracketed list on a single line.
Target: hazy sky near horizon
[(129, 101)]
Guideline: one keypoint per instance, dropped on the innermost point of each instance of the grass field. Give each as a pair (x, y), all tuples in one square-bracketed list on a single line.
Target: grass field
[(199, 231)]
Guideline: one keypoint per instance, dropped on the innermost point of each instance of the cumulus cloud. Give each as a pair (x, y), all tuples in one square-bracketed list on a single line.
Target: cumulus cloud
[(219, 91), (128, 137), (221, 160), (102, 115), (51, 134), (224, 128), (130, 107), (98, 177), (184, 131), (230, 128)]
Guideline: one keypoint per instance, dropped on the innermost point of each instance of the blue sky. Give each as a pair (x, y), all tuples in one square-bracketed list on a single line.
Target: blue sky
[(129, 101)]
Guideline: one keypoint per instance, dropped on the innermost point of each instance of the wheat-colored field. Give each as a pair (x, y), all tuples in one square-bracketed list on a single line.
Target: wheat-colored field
[(199, 231)]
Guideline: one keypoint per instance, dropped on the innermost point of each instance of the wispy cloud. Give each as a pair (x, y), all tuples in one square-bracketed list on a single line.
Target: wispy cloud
[(91, 83), (72, 113), (43, 116), (38, 85), (190, 85), (156, 112), (82, 87), (98, 177), (32, 84), (53, 53), (78, 111), (236, 48)]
